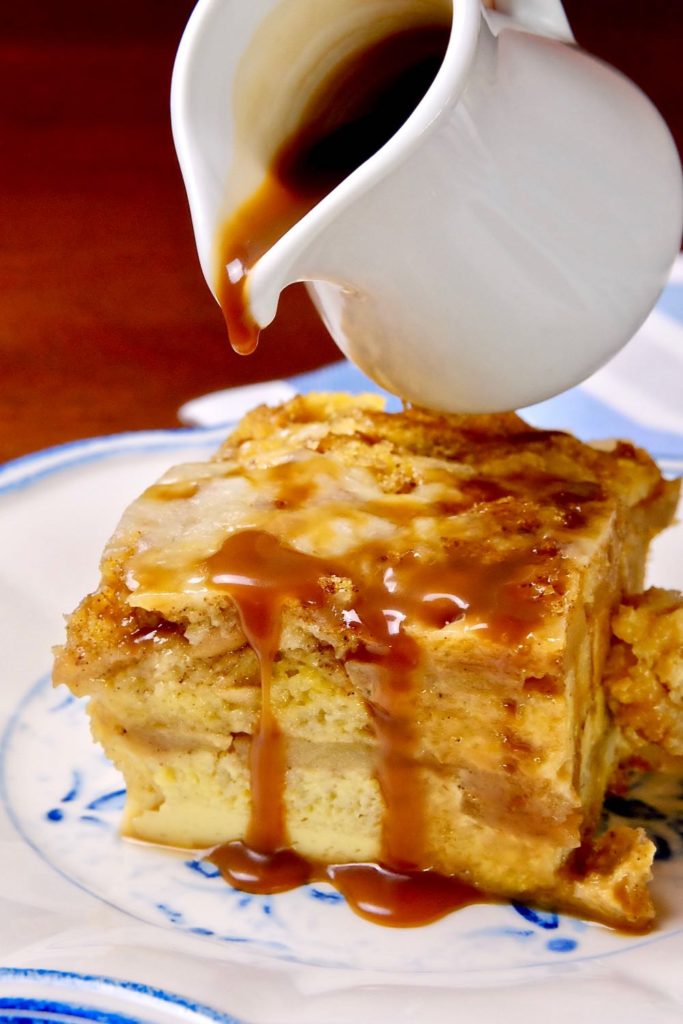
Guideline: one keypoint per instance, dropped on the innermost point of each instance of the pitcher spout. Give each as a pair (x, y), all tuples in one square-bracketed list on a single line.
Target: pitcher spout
[(228, 139)]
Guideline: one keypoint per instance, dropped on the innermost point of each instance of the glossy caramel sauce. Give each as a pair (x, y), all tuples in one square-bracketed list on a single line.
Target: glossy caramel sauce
[(262, 574), (400, 899), (394, 591), (250, 869), (348, 119)]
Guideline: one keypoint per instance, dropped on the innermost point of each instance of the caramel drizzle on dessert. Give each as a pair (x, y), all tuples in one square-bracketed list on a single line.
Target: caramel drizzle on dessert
[(350, 117), (261, 575), (394, 591)]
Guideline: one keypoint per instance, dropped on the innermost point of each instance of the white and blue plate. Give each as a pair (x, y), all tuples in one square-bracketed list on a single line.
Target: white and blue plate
[(94, 927)]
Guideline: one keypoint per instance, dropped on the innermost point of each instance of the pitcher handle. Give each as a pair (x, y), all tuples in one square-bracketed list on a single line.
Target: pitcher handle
[(543, 17)]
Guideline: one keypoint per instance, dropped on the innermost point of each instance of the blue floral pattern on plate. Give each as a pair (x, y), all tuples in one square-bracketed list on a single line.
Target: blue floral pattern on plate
[(66, 800)]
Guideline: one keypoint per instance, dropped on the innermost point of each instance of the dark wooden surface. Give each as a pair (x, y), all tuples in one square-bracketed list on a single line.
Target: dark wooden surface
[(105, 321)]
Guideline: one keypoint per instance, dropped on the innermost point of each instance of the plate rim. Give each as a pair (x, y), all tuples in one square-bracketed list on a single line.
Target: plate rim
[(106, 984), (35, 466)]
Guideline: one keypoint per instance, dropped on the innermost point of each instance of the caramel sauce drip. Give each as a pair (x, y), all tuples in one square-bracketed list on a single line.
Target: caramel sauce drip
[(394, 592), (401, 899), (262, 574), (350, 117), (398, 899), (252, 870), (263, 219)]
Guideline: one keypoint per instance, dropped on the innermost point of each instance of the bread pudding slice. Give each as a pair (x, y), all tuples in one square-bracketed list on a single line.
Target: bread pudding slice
[(364, 637)]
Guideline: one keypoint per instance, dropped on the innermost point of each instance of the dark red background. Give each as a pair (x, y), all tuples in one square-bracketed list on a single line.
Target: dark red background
[(105, 321)]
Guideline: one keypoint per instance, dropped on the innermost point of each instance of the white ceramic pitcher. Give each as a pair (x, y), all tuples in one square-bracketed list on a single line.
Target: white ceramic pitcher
[(507, 240)]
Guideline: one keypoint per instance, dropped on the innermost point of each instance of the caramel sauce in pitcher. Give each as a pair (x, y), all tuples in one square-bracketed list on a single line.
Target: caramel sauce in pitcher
[(350, 117)]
